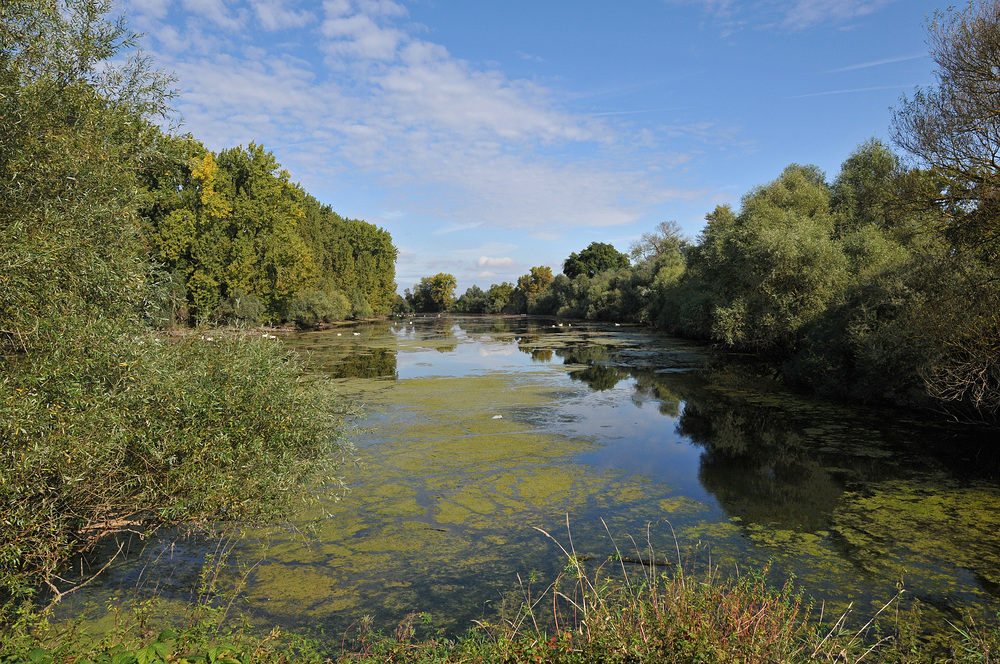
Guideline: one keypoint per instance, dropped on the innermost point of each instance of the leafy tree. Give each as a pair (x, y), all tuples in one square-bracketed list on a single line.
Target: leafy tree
[(401, 305), (666, 239), (597, 257), (101, 419), (354, 257), (954, 127), (74, 120), (435, 293), (866, 191), (499, 297), (773, 267), (536, 281), (316, 306), (234, 222), (530, 286), (473, 301)]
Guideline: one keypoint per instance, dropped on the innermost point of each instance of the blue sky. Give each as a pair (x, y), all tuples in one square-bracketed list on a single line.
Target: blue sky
[(491, 136)]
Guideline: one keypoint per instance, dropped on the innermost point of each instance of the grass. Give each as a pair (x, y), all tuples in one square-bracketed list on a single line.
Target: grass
[(594, 612)]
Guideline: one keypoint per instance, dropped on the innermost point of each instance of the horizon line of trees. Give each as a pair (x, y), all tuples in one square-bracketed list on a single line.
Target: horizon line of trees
[(856, 288)]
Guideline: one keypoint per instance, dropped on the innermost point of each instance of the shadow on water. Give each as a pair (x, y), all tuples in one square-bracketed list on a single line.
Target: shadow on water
[(480, 429)]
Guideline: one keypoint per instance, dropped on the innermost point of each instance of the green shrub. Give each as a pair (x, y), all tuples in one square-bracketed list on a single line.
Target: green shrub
[(315, 306), (241, 308), (105, 426)]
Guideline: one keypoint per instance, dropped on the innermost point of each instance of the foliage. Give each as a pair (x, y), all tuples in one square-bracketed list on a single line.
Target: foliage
[(530, 287), (473, 301), (499, 298), (665, 239), (954, 127), (953, 131), (434, 294), (634, 606), (67, 183), (772, 268), (315, 306), (242, 308), (234, 223), (109, 426), (597, 257), (866, 191), (851, 287), (102, 422)]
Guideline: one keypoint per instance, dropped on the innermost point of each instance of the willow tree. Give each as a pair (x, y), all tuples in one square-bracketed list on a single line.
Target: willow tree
[(73, 127), (774, 267)]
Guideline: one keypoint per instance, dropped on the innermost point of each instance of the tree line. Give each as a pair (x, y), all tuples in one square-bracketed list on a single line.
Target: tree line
[(242, 243), (883, 283)]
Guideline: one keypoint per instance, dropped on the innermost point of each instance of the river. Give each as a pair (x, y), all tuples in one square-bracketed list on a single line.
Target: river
[(480, 435)]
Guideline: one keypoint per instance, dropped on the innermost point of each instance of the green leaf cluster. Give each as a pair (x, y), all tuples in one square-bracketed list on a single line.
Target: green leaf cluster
[(433, 294), (245, 244), (597, 257)]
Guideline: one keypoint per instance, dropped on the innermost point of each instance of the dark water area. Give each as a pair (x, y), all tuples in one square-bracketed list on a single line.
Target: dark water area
[(480, 433)]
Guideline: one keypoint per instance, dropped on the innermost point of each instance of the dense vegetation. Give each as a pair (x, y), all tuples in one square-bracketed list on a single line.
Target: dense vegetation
[(102, 420), (860, 287), (241, 243)]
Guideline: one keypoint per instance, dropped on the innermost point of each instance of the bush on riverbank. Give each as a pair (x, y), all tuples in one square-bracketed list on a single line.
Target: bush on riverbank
[(103, 428)]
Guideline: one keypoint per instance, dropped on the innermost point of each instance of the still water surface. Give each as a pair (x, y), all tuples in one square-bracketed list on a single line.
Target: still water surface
[(478, 431)]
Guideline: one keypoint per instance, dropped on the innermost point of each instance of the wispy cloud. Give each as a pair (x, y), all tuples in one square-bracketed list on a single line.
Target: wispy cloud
[(807, 13), (851, 91), (878, 63), (274, 15), (787, 14)]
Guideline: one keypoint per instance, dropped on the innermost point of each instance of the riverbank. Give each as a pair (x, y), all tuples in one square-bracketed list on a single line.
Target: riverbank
[(607, 611)]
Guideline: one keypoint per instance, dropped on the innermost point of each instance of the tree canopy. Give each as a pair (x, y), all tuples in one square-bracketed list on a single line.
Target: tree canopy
[(434, 294), (953, 128), (597, 257), (233, 229)]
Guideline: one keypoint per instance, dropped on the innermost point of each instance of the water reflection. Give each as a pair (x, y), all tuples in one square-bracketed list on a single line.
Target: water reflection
[(757, 466)]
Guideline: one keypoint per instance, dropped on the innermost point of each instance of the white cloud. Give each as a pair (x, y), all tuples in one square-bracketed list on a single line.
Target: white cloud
[(354, 31), (430, 88), (215, 11), (360, 37), (806, 13), (790, 14), (460, 145), (148, 8), (486, 261), (274, 15)]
